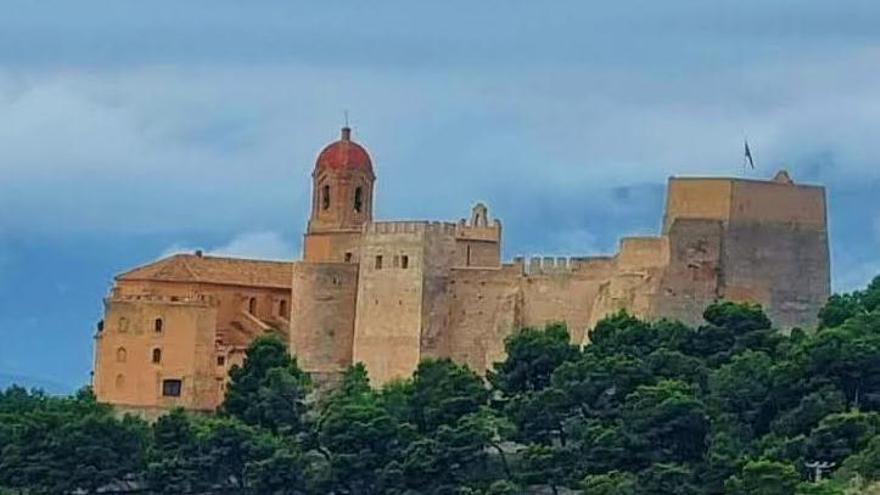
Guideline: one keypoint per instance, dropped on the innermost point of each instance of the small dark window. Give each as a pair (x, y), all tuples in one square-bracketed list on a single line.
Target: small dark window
[(252, 305), (379, 262), (157, 325), (358, 199), (101, 325), (348, 257), (171, 388), (404, 261), (282, 308), (157, 356), (325, 197), (221, 360)]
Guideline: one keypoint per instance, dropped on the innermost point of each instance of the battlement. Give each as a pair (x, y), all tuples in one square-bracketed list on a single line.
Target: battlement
[(540, 265), (189, 300), (643, 252), (465, 232), (409, 227), (727, 199)]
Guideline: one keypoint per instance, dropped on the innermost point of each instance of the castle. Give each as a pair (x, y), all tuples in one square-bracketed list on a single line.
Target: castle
[(390, 293)]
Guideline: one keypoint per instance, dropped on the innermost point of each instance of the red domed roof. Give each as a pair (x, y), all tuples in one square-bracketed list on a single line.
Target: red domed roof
[(344, 154)]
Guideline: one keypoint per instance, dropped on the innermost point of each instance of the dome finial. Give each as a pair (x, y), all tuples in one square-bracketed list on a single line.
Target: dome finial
[(346, 130)]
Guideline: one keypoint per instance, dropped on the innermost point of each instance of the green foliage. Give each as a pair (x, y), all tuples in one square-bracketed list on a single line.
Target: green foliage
[(532, 356), (58, 445), (443, 392), (269, 389), (666, 423), (764, 478)]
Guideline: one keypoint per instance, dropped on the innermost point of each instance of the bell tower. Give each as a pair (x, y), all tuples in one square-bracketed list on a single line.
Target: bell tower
[(342, 201)]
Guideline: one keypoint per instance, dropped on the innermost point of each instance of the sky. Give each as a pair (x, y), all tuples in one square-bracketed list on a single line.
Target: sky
[(131, 129)]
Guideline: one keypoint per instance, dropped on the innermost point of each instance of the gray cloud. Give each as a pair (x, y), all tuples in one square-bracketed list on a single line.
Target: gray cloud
[(205, 118)]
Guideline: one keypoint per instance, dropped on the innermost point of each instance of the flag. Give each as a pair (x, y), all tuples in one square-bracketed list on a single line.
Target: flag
[(748, 156)]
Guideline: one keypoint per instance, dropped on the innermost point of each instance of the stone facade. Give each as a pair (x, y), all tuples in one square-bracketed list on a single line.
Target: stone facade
[(390, 293)]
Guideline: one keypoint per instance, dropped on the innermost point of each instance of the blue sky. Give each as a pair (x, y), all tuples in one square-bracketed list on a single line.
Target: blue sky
[(132, 129)]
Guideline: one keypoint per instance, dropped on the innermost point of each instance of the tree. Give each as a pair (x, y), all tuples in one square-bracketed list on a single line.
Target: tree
[(763, 477), (361, 442), (61, 445), (667, 423), (284, 473), (667, 479), (443, 392), (732, 328), (840, 435), (742, 388), (544, 465), (269, 390), (610, 483), (532, 356)]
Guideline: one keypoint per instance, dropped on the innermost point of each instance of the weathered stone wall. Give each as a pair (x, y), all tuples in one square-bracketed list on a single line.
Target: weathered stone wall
[(332, 247), (776, 250), (234, 325), (485, 307), (125, 373), (691, 281), (438, 260), (322, 316), (698, 198), (562, 290), (388, 324)]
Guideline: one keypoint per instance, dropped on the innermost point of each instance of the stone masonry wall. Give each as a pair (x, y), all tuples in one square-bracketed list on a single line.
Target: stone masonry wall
[(388, 325), (125, 373), (323, 316)]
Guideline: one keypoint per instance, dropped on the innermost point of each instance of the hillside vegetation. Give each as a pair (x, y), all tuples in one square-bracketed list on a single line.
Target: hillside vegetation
[(730, 407)]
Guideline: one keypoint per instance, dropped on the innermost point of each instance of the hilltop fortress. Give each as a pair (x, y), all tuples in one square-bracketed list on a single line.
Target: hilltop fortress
[(390, 293)]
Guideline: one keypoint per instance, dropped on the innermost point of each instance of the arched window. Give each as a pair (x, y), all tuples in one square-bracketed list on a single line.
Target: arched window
[(282, 308), (325, 197), (121, 355), (120, 381), (358, 199), (157, 356), (158, 325), (252, 305), (123, 325)]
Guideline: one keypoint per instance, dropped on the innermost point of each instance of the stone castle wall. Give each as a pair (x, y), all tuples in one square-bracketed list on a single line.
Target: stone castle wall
[(322, 316), (125, 371)]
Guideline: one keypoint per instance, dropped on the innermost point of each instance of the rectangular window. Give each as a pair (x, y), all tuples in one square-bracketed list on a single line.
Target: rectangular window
[(379, 262), (221, 360), (404, 261), (171, 388)]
